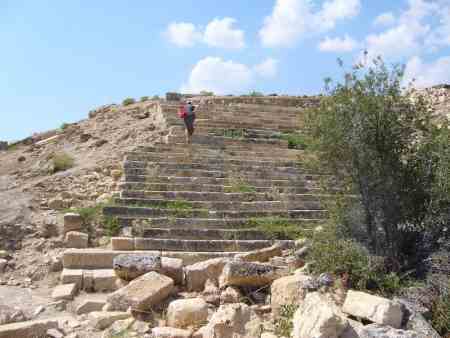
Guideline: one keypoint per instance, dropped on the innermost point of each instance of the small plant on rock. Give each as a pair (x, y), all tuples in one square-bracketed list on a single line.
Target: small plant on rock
[(128, 101), (144, 98), (62, 161), (284, 323)]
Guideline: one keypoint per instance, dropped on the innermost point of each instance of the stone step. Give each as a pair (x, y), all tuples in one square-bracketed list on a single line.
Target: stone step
[(140, 224), (103, 258), (204, 234), (222, 205), (152, 244), (138, 186), (299, 181), (137, 212), (222, 196), (228, 141), (212, 147)]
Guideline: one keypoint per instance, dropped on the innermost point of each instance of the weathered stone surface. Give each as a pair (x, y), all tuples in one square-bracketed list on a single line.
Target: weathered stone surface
[(376, 309), (170, 332), (231, 321), (131, 266), (230, 295), (290, 290), (54, 333), (31, 329), (64, 291), (69, 276), (90, 305), (101, 320), (56, 203), (378, 331), (173, 268), (122, 243), (183, 313), (142, 292), (415, 321), (10, 315), (237, 273), (197, 274), (318, 317), (77, 240), (104, 280), (72, 222), (262, 255), (3, 145), (3, 264)]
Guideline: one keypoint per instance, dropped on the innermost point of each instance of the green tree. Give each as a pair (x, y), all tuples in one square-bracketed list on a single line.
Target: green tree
[(379, 139)]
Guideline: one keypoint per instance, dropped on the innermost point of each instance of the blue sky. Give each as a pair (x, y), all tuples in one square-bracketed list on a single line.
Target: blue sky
[(59, 59)]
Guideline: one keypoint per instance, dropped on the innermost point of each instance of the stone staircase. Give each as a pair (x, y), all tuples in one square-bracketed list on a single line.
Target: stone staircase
[(196, 201)]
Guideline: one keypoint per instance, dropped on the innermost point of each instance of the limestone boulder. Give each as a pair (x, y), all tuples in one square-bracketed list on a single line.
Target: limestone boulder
[(100, 320), (211, 292), (240, 273), (173, 268), (170, 332), (65, 291), (183, 313), (132, 266), (77, 240), (89, 305), (290, 290), (262, 255), (197, 274), (415, 321), (374, 308), (230, 295), (30, 329), (142, 293), (231, 321), (72, 222), (318, 317)]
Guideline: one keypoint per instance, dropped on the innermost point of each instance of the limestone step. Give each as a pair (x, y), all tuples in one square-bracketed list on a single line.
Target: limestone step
[(137, 186), (216, 245), (222, 196), (124, 211), (204, 234), (140, 224), (103, 258), (229, 141), (222, 205)]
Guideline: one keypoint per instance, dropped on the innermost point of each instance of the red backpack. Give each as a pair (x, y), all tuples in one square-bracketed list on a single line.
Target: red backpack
[(182, 112)]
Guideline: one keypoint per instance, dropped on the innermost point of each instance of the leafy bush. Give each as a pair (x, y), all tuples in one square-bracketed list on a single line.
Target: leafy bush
[(255, 94), (440, 315), (284, 323), (206, 93), (381, 143), (155, 97), (64, 126), (276, 227), (297, 141), (144, 98), (111, 226), (128, 101), (234, 133), (62, 161), (179, 205)]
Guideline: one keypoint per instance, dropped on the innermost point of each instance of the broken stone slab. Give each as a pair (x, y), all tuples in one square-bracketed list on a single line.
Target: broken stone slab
[(238, 273), (69, 276), (183, 313), (374, 308), (122, 243), (142, 293), (170, 332), (290, 290), (64, 291), (197, 274), (77, 240), (230, 295), (173, 268), (380, 331), (90, 305), (100, 320), (54, 333), (72, 222), (415, 321), (262, 255), (318, 317), (132, 266), (30, 329)]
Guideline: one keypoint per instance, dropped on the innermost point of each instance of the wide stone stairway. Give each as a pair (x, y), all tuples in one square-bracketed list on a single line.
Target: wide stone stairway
[(202, 200)]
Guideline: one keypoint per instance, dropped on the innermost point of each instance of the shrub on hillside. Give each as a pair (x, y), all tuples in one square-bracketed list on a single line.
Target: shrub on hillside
[(144, 98), (128, 101), (62, 161), (155, 97), (380, 142), (206, 93), (255, 93)]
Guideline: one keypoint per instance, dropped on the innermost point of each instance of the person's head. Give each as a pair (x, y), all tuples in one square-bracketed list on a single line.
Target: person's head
[(189, 102)]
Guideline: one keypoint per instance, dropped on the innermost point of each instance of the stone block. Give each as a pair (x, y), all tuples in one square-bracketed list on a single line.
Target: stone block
[(197, 274), (290, 290), (173, 268), (170, 332), (90, 305), (72, 222), (69, 276), (88, 280), (100, 320), (183, 313), (376, 309), (77, 240), (262, 255), (64, 291), (239, 273), (29, 329), (142, 293), (131, 266), (104, 280), (122, 243)]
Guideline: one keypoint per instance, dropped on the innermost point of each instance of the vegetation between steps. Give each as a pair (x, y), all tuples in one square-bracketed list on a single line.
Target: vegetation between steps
[(62, 161)]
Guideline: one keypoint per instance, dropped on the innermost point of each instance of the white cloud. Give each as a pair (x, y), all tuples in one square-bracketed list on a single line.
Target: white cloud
[(292, 19), (227, 77), (267, 68), (343, 45), (385, 19), (183, 34), (427, 74), (220, 33)]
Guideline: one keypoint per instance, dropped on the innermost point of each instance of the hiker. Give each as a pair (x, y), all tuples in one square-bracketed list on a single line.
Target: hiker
[(187, 113)]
